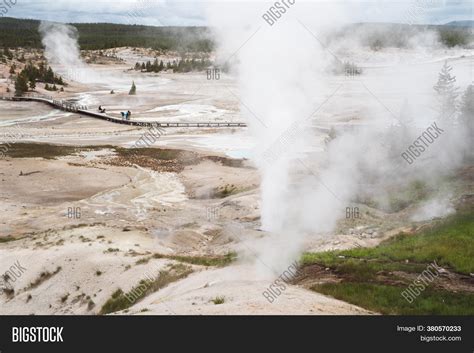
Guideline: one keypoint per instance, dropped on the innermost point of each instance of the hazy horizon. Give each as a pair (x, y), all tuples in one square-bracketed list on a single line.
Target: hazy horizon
[(192, 12), (206, 25)]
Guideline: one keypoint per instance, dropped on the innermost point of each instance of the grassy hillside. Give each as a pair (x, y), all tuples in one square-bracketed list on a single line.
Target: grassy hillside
[(374, 278), (92, 36)]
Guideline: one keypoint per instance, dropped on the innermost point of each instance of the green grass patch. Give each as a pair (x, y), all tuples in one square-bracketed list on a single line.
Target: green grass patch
[(387, 299), (217, 261), (218, 300), (122, 301), (118, 301), (372, 277), (43, 277), (8, 239), (450, 243), (227, 190)]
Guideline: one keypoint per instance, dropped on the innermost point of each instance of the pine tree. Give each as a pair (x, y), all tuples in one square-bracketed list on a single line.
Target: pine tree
[(447, 92), (21, 85), (467, 112), (133, 90), (49, 75), (155, 66), (32, 84)]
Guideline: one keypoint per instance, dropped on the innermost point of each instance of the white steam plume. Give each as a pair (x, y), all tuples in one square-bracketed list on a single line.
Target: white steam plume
[(282, 83), (62, 51)]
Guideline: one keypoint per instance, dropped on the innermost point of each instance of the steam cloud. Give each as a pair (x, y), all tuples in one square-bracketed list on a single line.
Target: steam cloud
[(286, 92), (62, 50)]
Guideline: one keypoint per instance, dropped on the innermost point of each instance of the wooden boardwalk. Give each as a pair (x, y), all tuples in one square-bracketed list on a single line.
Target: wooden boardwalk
[(80, 109)]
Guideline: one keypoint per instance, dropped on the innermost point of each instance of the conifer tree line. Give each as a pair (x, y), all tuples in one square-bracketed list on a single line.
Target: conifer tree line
[(98, 36), (181, 65)]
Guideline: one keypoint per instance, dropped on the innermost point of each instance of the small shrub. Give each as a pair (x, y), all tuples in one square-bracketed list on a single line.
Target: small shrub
[(218, 300)]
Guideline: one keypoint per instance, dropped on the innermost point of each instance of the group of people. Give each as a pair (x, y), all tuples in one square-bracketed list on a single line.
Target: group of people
[(125, 115)]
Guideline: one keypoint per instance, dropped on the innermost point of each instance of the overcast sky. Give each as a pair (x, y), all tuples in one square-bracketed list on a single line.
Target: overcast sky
[(191, 12)]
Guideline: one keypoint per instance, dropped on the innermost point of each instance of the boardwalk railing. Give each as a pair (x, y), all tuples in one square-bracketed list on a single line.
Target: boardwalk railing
[(36, 95), (82, 109)]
